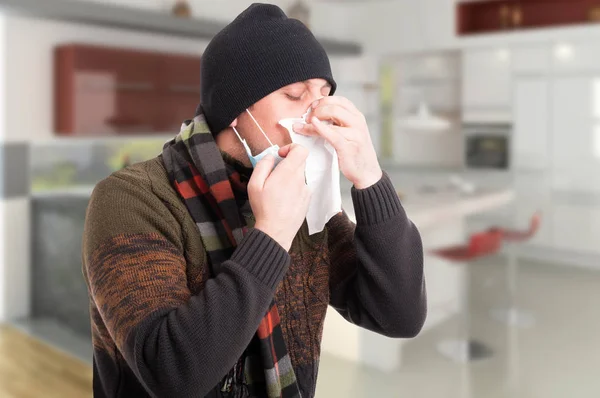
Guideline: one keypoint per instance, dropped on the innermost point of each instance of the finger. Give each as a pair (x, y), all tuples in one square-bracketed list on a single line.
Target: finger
[(297, 155), (284, 150), (339, 115), (337, 100), (349, 134), (305, 129), (294, 161), (261, 172), (307, 194), (330, 135), (311, 131)]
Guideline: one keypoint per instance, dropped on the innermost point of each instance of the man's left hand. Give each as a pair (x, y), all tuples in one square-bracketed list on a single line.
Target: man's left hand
[(350, 137)]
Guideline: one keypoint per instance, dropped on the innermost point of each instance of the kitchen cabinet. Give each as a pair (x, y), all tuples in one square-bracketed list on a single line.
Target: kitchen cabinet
[(179, 90), (554, 106), (109, 91), (533, 194), (577, 228), (576, 133), (530, 141), (487, 16), (486, 85), (58, 292), (533, 59), (571, 57)]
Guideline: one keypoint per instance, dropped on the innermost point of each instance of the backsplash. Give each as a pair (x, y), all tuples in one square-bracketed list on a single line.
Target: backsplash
[(78, 162), (432, 79)]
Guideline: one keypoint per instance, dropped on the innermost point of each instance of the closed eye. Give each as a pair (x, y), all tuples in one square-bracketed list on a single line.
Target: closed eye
[(292, 97)]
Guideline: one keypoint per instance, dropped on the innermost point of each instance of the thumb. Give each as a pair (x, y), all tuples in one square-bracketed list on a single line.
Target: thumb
[(262, 171), (285, 150)]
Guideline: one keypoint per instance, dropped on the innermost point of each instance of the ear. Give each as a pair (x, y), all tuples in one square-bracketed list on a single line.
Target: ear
[(234, 123)]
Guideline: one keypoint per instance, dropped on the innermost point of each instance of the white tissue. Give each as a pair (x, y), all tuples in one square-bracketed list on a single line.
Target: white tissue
[(322, 177)]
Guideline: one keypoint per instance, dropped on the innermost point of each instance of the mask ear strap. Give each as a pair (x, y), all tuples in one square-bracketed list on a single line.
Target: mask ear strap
[(260, 128), (238, 134), (242, 140)]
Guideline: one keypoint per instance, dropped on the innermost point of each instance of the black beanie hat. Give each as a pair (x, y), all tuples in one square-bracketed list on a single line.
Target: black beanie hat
[(259, 52)]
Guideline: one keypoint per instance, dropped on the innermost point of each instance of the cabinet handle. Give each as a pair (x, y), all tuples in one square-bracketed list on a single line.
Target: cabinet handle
[(120, 86), (134, 86), (180, 88)]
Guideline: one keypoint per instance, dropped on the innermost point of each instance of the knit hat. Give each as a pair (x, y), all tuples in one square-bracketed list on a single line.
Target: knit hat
[(261, 51)]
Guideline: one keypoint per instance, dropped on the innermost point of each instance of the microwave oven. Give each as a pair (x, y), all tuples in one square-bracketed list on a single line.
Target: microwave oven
[(487, 146)]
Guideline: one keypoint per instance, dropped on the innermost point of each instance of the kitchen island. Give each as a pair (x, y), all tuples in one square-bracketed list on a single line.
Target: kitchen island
[(441, 218)]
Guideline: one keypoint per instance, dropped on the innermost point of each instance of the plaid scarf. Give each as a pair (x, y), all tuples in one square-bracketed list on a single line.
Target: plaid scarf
[(199, 174)]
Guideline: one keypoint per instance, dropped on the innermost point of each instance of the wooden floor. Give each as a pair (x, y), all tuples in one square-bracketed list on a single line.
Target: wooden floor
[(29, 368)]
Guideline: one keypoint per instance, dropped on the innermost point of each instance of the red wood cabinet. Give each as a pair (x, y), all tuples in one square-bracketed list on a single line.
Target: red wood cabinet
[(110, 91), (179, 90), (484, 16)]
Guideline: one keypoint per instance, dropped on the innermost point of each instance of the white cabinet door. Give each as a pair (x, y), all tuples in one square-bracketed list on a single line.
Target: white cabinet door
[(533, 195), (569, 57), (486, 85), (530, 143), (576, 134), (576, 228), (531, 59)]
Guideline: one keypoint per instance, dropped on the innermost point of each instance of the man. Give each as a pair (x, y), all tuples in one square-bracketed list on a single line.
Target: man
[(203, 278)]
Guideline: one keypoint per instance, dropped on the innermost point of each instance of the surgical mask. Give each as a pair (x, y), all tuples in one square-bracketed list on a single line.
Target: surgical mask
[(272, 150), (322, 176)]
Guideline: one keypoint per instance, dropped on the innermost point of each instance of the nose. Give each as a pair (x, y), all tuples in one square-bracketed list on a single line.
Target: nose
[(314, 96)]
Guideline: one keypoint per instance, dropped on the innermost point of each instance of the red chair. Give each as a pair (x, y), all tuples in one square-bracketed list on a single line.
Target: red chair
[(480, 245), (512, 315)]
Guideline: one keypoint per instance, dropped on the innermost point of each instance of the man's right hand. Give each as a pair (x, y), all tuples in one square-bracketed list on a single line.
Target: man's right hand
[(279, 198)]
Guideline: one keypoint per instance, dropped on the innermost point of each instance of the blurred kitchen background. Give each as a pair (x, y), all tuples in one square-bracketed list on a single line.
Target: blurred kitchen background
[(485, 113)]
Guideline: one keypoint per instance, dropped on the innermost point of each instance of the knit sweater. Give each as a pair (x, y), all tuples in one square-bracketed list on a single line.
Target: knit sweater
[(162, 326)]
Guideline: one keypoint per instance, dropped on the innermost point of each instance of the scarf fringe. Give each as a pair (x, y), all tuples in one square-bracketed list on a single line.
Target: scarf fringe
[(234, 384)]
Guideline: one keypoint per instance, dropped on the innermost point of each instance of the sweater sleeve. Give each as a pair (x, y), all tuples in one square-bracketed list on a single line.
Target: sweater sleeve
[(377, 279), (176, 343)]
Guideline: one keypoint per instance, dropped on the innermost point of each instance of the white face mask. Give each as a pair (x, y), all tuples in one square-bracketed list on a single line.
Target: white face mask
[(322, 176), (271, 150)]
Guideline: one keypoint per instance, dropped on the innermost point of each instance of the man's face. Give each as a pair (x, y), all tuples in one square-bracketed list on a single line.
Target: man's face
[(289, 101)]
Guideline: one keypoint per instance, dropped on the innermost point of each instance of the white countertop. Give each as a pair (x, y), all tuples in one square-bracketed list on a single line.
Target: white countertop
[(426, 210), (78, 191)]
